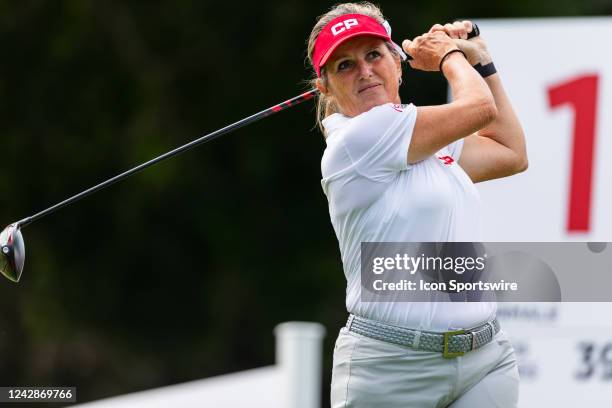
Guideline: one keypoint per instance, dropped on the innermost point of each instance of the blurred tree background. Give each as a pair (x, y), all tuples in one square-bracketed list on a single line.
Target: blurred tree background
[(180, 272)]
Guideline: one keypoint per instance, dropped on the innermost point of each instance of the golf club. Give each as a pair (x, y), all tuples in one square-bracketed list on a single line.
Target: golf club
[(12, 247)]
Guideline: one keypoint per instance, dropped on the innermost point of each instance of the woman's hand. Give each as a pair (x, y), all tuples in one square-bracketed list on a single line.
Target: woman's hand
[(427, 50), (475, 48)]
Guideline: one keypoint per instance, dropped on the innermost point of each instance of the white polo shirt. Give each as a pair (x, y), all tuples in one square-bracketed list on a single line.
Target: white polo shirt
[(374, 195)]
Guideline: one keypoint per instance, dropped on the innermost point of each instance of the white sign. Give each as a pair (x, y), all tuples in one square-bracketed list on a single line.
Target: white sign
[(557, 73)]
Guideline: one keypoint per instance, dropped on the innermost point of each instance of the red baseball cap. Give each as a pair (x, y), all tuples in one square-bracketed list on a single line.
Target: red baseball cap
[(341, 29)]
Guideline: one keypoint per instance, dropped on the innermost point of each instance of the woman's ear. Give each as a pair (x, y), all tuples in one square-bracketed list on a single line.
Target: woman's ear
[(398, 65), (321, 86)]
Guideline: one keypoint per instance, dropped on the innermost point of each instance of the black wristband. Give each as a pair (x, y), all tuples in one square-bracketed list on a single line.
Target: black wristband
[(446, 56), (485, 70)]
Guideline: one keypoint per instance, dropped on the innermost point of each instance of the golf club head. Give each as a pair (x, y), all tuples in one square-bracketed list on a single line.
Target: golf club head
[(12, 252)]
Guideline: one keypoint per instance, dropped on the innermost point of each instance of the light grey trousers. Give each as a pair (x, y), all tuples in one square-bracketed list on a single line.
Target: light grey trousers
[(373, 373)]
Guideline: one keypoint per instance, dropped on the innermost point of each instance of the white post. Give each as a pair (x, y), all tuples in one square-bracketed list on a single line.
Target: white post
[(299, 355)]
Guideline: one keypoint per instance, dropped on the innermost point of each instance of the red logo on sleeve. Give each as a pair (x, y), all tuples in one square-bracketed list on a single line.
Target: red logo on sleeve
[(447, 159), (398, 107)]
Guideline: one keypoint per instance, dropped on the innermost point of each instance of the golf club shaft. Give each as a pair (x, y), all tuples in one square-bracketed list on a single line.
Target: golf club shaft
[(260, 115)]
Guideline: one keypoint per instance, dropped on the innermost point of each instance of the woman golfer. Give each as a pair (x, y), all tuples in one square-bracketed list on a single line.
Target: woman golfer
[(401, 173)]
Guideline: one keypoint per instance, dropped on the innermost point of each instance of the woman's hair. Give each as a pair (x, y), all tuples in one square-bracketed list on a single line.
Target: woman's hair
[(325, 106)]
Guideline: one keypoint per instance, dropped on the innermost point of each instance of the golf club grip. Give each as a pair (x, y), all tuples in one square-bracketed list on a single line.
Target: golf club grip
[(474, 33)]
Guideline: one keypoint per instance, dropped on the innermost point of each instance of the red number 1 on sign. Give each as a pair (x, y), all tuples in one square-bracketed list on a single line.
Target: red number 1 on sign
[(581, 94)]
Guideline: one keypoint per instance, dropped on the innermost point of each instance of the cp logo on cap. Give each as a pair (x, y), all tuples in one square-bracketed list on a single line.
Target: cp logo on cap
[(338, 28)]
